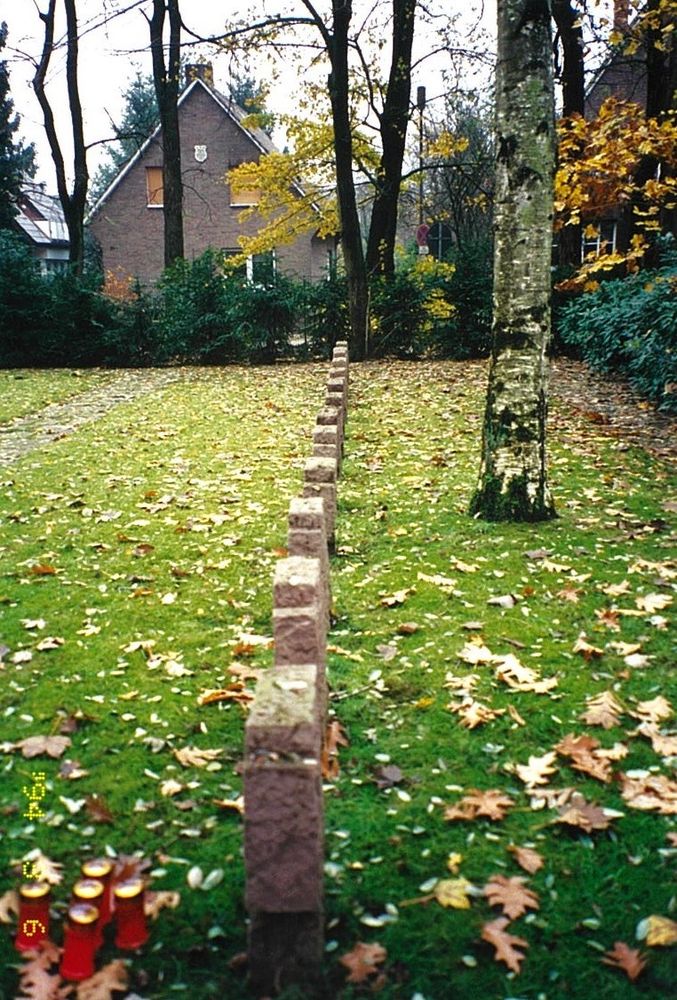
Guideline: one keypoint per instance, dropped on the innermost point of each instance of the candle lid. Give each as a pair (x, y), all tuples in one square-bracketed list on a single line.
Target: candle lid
[(83, 913), (129, 888), (34, 890), (87, 888), (97, 867)]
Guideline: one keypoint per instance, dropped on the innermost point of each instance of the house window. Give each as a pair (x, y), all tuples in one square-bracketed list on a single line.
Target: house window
[(244, 198), (259, 269), (154, 187), (599, 238)]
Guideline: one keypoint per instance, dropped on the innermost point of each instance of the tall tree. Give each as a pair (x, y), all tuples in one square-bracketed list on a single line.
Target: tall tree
[(16, 160), (139, 117), (570, 37), (336, 41), (393, 119), (73, 202), (513, 479), (166, 76)]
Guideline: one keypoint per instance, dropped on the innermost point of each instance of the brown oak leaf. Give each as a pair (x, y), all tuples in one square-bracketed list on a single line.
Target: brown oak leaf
[(538, 769), (363, 961), (9, 906), (97, 809), (505, 944), (491, 804), (655, 792), (512, 894), (473, 713), (104, 983), (33, 746), (154, 902), (37, 981), (334, 737), (656, 710), (527, 858), (630, 960), (585, 815), (586, 649), (603, 710)]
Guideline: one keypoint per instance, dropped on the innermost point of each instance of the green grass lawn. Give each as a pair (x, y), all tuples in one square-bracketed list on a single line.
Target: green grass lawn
[(142, 547)]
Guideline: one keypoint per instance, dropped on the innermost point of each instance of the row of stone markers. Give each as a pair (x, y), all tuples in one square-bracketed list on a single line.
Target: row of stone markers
[(284, 815)]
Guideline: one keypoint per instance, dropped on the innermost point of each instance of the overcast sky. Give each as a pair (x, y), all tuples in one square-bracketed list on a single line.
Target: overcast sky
[(110, 55)]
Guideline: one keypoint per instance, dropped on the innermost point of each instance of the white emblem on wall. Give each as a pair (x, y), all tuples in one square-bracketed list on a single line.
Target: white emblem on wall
[(200, 153)]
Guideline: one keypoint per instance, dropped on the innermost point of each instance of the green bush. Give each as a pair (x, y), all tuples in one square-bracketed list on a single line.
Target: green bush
[(629, 325), (323, 315), (24, 302)]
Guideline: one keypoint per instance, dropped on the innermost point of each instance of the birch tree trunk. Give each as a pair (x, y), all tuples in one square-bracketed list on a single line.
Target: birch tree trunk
[(513, 482)]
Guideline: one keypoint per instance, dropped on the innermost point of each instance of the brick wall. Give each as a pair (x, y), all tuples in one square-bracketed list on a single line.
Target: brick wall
[(131, 233)]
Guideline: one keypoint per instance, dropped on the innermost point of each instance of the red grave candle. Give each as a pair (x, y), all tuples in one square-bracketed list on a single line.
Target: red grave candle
[(77, 961), (101, 869), (90, 890), (34, 900), (130, 917)]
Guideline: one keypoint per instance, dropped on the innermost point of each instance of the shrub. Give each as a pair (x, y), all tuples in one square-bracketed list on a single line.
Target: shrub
[(628, 325), (23, 302), (323, 315)]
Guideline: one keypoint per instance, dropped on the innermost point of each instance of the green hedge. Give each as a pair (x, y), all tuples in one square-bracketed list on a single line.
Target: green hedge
[(629, 326), (199, 315)]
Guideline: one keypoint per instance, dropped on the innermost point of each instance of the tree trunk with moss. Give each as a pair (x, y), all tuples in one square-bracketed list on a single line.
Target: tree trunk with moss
[(513, 481)]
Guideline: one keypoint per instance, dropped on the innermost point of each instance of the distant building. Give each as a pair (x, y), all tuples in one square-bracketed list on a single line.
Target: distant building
[(127, 221), (40, 222)]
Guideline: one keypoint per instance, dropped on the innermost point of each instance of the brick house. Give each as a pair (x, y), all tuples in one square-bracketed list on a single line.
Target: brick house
[(127, 220)]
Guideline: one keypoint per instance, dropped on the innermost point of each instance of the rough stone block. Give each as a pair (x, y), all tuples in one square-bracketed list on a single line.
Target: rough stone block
[(319, 470), (307, 513), (286, 715), (307, 536), (326, 451), (300, 635), (337, 385), (297, 582), (337, 400), (283, 835), (285, 949)]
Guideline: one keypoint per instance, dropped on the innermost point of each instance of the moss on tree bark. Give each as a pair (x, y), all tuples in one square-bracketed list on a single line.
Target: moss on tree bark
[(513, 478)]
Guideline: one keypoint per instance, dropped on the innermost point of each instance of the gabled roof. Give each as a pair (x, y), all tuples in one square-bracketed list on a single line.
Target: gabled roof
[(40, 217), (262, 141)]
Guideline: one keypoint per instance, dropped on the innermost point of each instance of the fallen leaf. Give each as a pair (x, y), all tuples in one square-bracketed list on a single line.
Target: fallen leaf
[(473, 713), (527, 858), (334, 737), (491, 804), (521, 678), (50, 642), (512, 894), (586, 649), (33, 746), (37, 982), (537, 770), (603, 710), (653, 602), (584, 815), (407, 628), (363, 961), (104, 983), (42, 868), (475, 652), (194, 757), (453, 892), (387, 776), (399, 597), (505, 944), (504, 601), (9, 906), (657, 931), (97, 809), (656, 710), (655, 792), (236, 692), (630, 960), (232, 805), (155, 901)]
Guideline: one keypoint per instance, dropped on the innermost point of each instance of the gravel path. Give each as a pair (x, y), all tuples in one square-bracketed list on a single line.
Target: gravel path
[(606, 401), (57, 420), (615, 408)]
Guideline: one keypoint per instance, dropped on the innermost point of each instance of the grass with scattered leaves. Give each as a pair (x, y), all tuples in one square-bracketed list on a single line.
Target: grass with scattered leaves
[(26, 391), (143, 548)]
